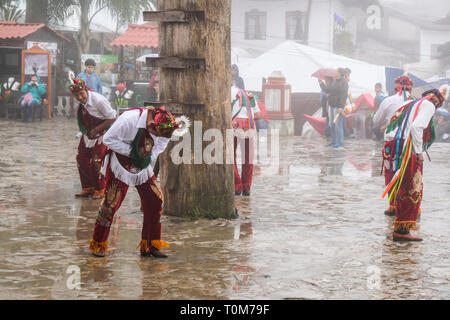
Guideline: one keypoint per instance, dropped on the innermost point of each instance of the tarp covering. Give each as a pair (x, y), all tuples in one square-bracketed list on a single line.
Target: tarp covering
[(298, 62), (366, 100), (394, 73), (317, 123)]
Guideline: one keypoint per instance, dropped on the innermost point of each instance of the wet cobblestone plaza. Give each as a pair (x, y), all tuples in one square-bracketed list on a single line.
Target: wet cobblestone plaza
[(312, 229)]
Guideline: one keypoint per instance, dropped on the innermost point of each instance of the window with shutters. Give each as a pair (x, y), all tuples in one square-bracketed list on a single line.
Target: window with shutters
[(295, 25), (255, 25)]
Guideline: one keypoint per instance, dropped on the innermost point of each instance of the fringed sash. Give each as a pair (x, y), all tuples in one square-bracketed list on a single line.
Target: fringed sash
[(87, 122), (400, 152), (135, 169), (122, 174), (248, 108)]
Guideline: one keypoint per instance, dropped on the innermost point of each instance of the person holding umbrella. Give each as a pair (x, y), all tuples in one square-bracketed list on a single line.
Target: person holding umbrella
[(324, 105), (337, 97)]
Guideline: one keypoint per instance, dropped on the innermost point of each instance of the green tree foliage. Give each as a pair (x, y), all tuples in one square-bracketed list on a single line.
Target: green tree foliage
[(36, 11), (6, 3), (123, 11), (9, 11), (59, 10), (343, 43)]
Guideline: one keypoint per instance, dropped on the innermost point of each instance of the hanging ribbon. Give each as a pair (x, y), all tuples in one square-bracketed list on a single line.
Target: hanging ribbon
[(251, 121)]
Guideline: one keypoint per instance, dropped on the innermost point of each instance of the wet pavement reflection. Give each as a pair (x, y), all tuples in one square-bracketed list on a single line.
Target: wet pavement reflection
[(313, 228)]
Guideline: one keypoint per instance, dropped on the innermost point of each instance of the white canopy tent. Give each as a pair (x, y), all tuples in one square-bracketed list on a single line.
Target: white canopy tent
[(145, 56), (298, 62), (241, 57)]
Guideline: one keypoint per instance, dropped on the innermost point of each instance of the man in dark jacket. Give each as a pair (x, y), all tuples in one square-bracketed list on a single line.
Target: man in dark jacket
[(237, 81), (337, 97), (324, 106)]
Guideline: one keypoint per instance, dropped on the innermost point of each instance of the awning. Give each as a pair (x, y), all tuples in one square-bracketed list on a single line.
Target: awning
[(138, 35), (12, 30)]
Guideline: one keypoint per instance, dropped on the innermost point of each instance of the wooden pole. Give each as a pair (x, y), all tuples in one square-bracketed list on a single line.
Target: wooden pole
[(198, 190)]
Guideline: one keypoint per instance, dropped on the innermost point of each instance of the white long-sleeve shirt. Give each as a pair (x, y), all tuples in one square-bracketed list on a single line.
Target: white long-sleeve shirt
[(388, 107), (122, 133), (242, 112), (98, 106), (416, 127), (119, 138)]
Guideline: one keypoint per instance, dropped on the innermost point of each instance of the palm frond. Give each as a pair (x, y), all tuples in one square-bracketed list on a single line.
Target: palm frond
[(11, 13)]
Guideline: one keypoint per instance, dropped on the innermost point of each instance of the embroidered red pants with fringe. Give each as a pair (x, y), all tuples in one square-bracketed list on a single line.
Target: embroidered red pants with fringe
[(151, 201), (409, 196), (244, 181), (89, 161)]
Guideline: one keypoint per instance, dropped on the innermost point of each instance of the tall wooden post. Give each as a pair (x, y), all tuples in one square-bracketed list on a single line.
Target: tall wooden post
[(195, 80)]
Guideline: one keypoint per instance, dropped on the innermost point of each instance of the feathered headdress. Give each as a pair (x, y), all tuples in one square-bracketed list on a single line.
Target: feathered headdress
[(165, 122), (403, 84), (438, 97), (77, 85)]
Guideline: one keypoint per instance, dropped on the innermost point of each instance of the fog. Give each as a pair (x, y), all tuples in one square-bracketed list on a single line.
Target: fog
[(300, 84)]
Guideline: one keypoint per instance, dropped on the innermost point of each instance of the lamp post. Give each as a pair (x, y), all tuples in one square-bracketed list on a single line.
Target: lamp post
[(277, 98)]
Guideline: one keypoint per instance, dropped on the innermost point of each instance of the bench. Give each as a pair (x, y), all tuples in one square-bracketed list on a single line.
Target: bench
[(14, 110)]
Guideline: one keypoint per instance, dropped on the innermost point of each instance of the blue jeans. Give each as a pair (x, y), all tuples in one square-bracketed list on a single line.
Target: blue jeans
[(261, 124), (28, 109), (337, 128)]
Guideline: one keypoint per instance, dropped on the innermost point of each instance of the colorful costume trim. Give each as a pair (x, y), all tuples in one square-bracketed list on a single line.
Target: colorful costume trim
[(97, 247), (405, 187)]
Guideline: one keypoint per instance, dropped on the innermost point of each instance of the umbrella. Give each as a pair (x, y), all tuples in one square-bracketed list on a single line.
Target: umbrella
[(322, 73), (365, 99), (317, 123)]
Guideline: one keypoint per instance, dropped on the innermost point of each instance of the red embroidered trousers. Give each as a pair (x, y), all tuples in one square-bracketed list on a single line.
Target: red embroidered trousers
[(89, 161), (244, 181), (409, 196), (151, 201)]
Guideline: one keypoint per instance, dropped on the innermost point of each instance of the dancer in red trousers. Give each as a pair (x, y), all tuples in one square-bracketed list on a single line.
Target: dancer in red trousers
[(382, 118), (95, 116), (245, 111), (135, 140), (409, 134)]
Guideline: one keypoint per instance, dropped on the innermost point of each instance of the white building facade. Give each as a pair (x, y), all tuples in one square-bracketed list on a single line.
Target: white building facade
[(258, 25), (431, 40)]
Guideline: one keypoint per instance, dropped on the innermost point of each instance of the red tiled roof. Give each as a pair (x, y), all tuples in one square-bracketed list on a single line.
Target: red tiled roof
[(11, 30), (138, 35)]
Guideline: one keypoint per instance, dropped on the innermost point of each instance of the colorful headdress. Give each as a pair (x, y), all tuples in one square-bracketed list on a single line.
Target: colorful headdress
[(165, 122), (77, 85), (445, 91), (437, 97), (403, 83)]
